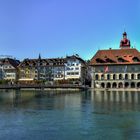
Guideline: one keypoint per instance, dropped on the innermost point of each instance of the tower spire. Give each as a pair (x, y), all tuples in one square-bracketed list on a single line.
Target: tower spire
[(39, 57)]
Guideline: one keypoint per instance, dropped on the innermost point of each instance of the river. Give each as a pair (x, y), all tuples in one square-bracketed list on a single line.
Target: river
[(65, 115)]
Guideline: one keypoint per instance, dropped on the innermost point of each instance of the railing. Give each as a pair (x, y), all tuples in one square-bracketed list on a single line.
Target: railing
[(128, 80)]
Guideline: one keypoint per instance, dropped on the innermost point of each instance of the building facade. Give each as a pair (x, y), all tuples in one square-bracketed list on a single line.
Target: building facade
[(27, 71), (55, 69), (75, 69), (9, 69), (116, 68)]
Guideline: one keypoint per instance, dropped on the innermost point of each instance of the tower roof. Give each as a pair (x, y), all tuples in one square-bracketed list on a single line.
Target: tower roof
[(125, 33)]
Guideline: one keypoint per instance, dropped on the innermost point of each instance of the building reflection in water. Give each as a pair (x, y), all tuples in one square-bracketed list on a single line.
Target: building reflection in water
[(124, 100), (38, 100)]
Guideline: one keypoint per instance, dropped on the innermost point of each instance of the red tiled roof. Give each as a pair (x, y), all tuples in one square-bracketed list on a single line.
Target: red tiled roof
[(119, 56)]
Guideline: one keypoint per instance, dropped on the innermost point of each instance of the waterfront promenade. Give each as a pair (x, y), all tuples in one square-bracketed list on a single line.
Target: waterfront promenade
[(115, 89), (45, 87)]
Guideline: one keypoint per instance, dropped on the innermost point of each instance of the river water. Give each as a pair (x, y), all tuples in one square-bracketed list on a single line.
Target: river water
[(65, 115)]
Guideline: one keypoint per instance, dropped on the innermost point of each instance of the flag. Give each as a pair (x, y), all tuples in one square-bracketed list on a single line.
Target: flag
[(125, 69), (106, 69)]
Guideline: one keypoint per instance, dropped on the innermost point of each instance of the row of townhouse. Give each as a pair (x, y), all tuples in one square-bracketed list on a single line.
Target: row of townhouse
[(71, 68), (56, 69)]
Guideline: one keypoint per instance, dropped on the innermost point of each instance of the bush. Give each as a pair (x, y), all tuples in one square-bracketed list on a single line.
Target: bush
[(4, 82)]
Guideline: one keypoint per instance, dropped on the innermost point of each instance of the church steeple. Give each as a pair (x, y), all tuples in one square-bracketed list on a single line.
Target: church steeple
[(125, 43), (39, 57)]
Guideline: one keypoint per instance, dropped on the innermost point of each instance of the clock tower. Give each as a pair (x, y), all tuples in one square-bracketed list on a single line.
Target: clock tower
[(125, 42)]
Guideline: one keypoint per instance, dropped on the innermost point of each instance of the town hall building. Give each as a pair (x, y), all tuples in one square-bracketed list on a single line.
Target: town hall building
[(116, 68)]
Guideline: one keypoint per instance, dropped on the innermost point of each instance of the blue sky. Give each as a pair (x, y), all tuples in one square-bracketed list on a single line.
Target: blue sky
[(56, 28)]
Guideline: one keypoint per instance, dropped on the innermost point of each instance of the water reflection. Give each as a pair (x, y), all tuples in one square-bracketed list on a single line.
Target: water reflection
[(116, 96), (54, 99), (37, 99), (120, 100), (117, 111), (69, 115)]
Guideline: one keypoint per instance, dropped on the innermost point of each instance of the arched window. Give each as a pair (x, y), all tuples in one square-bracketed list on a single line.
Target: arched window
[(97, 77), (120, 85), (120, 76), (132, 85), (108, 85), (102, 77), (138, 76), (138, 85), (114, 76), (126, 76), (102, 85), (132, 76), (108, 77), (126, 85), (114, 85)]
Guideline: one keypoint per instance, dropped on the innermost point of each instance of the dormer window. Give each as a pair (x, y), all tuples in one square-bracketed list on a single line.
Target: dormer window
[(98, 60), (122, 60), (136, 59), (110, 60)]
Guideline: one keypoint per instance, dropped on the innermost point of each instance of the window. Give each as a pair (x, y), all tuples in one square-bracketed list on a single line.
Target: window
[(138, 76), (120, 77), (102, 77), (76, 73), (122, 60), (114, 77), (108, 77), (132, 77), (96, 77), (108, 85), (126, 76), (68, 68), (136, 59), (114, 85), (68, 73), (102, 85)]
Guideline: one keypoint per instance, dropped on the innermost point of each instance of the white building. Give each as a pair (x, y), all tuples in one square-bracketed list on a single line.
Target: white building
[(8, 69), (75, 69)]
